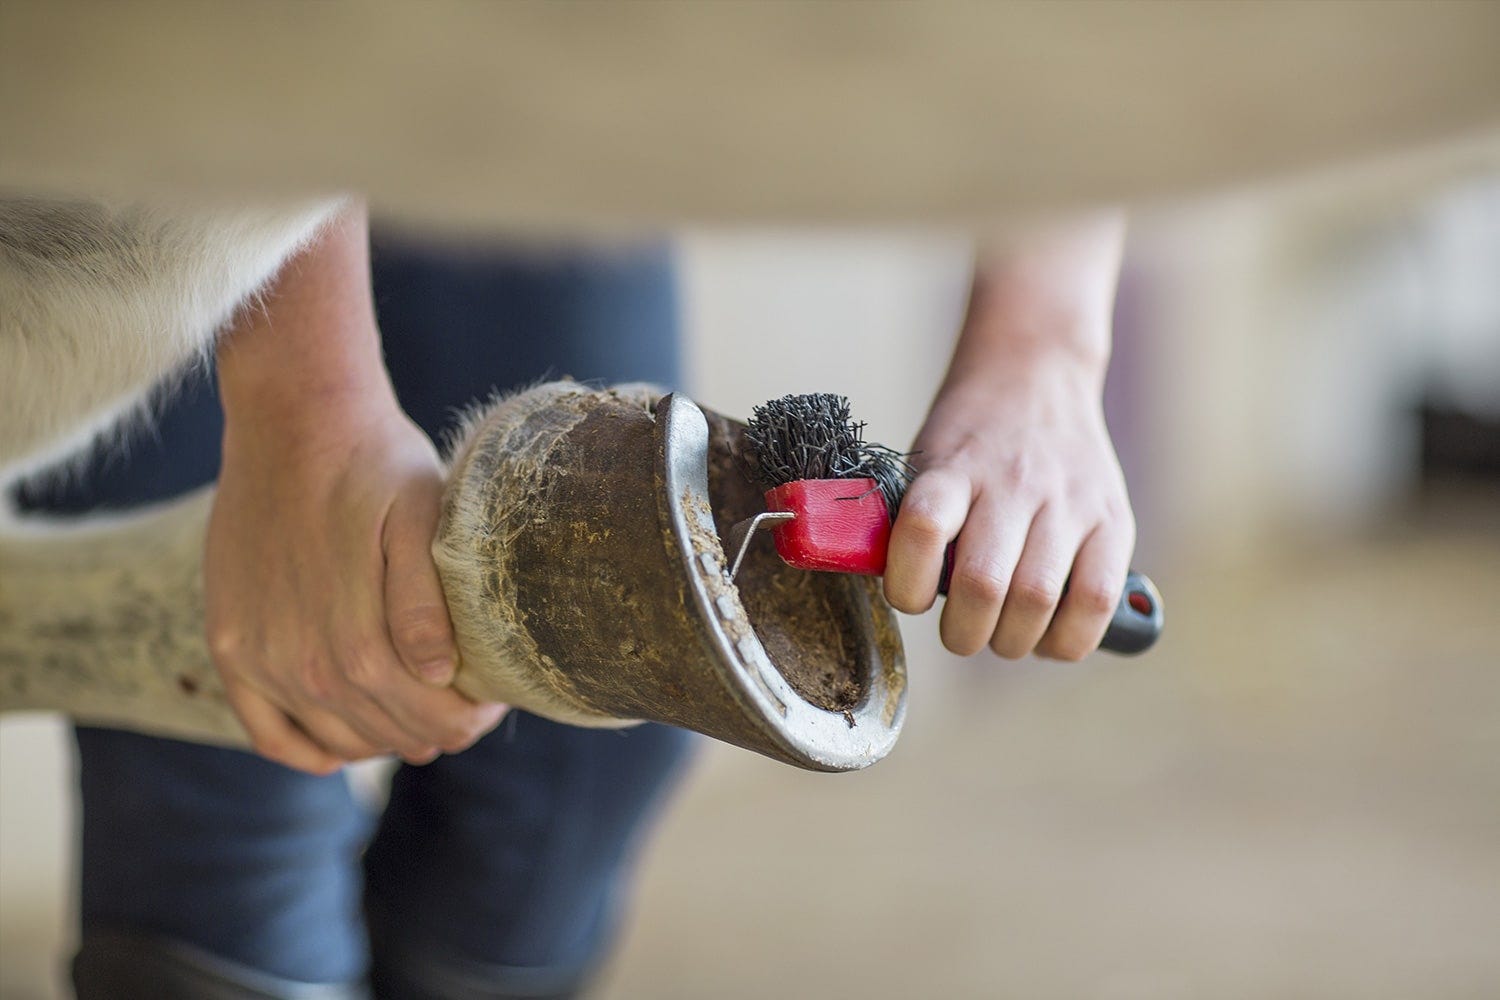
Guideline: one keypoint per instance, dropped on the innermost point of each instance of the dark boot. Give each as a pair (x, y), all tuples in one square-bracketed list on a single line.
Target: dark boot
[(118, 966)]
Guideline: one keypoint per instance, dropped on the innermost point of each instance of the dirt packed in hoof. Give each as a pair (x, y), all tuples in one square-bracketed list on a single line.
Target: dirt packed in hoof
[(803, 619)]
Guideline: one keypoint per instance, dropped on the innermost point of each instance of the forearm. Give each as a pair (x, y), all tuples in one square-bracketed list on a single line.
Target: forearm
[(308, 346), (1046, 303)]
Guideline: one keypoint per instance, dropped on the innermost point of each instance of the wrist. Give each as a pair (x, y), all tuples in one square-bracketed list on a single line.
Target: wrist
[(1020, 366), (1042, 396), (305, 357), (270, 379), (330, 425), (1044, 308)]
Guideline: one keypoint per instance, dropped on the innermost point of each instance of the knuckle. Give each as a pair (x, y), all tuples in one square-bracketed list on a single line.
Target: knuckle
[(459, 739), (1007, 648), (350, 746), (1023, 474), (443, 728), (317, 681), (464, 735), (962, 647), (273, 746), (904, 597), (365, 751), (1068, 648), (1117, 512), (224, 643), (1070, 652), (321, 766), (266, 746), (959, 640), (1094, 598), (988, 586), (455, 744), (367, 665), (1034, 595), (361, 669), (922, 525), (421, 629), (409, 744), (907, 605)]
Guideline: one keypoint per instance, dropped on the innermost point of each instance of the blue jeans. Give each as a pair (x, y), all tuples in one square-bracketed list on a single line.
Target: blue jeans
[(498, 871)]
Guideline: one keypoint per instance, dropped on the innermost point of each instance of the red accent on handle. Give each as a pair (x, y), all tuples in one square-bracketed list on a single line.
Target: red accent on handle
[(841, 525)]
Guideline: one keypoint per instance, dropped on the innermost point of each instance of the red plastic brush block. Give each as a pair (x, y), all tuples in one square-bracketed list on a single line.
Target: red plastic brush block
[(841, 525)]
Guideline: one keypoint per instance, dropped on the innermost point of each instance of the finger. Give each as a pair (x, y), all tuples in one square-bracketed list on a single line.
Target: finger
[(440, 716), (983, 565), (415, 718), (1094, 590), (416, 612), (932, 512), (349, 741), (372, 683), (326, 688), (1037, 584), (273, 735)]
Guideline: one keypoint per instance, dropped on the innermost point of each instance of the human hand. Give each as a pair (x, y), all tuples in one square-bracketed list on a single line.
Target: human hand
[(1024, 476), (325, 613), (1015, 462)]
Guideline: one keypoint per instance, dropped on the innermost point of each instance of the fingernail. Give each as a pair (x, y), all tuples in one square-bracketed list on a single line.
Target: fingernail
[(437, 671)]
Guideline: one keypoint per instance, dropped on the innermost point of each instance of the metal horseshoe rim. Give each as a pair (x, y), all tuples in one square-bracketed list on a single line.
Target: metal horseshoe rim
[(807, 735)]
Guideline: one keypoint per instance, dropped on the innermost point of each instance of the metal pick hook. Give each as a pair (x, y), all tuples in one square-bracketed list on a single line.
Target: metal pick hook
[(743, 533)]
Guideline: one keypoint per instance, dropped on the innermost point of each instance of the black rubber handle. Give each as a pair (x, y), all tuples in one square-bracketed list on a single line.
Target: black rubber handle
[(1138, 617), (1137, 621)]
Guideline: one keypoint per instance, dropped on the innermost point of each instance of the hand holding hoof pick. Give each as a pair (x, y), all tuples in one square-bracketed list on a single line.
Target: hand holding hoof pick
[(832, 499)]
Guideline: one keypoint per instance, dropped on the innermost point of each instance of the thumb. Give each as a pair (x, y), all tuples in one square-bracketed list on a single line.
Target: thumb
[(415, 610)]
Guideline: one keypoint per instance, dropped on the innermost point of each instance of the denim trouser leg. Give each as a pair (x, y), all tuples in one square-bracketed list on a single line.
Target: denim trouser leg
[(215, 863), (497, 872), (231, 876)]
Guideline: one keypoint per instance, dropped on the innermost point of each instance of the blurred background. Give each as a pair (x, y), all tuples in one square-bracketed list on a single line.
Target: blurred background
[(1297, 793)]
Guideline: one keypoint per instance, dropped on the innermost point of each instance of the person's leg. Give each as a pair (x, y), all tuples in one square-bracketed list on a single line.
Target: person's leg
[(213, 873), (206, 873), (499, 871)]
